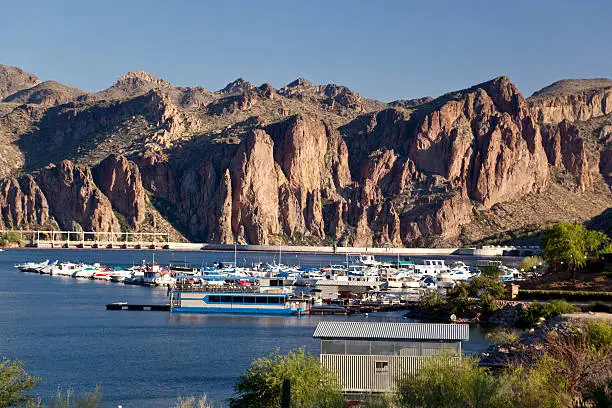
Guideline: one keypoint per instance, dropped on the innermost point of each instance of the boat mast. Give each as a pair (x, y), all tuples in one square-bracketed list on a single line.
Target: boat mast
[(235, 264)]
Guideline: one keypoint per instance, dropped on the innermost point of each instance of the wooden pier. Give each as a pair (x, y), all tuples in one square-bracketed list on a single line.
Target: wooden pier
[(130, 306)]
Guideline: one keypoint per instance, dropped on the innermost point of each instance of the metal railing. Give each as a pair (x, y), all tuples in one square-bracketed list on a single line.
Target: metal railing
[(217, 289)]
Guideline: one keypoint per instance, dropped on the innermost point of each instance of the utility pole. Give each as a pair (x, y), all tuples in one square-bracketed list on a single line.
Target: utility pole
[(286, 395)]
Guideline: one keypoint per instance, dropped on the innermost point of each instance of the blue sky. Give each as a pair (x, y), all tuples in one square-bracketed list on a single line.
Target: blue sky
[(382, 49)]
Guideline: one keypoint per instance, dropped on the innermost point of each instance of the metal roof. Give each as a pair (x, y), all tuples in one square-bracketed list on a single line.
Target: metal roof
[(392, 331)]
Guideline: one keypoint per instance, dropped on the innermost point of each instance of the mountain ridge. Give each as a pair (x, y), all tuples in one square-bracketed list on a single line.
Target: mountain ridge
[(306, 163)]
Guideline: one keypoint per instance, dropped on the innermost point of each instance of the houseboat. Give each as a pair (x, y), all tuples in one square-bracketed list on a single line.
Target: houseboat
[(270, 297)]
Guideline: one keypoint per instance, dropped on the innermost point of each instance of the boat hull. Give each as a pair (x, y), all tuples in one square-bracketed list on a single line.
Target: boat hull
[(234, 303), (230, 310)]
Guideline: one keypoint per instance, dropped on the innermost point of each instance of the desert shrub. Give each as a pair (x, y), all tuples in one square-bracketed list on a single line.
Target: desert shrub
[(503, 337), (68, 399), (444, 383), (557, 307), (532, 387), (538, 311), (599, 334), (585, 371), (193, 402)]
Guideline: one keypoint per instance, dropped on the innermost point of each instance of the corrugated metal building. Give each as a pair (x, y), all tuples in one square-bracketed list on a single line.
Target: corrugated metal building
[(370, 356)]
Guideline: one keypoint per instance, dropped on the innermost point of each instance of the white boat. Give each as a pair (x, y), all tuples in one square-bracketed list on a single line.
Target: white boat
[(460, 272), (66, 269), (47, 269), (87, 272), (120, 275), (32, 266), (431, 267), (510, 274), (271, 297), (362, 259), (155, 275)]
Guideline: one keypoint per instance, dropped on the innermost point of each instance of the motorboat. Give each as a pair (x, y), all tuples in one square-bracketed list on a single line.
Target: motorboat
[(431, 267), (32, 266), (120, 275), (66, 269), (510, 274)]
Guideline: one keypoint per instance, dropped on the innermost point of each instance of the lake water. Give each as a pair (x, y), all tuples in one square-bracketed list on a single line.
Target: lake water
[(60, 329)]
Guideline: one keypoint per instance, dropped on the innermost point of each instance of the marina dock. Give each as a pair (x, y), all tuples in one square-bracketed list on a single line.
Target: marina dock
[(130, 306)]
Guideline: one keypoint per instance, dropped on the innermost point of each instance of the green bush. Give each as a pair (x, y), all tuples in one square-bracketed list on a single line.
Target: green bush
[(599, 334), (444, 383), (10, 237), (557, 307), (311, 384), (538, 311)]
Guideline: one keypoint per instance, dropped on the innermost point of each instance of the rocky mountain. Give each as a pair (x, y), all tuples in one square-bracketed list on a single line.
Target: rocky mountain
[(48, 93), (13, 79), (308, 164)]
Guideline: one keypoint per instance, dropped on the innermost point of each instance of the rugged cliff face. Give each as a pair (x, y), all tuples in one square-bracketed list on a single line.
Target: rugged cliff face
[(75, 201), (572, 100), (306, 163), (22, 203), (119, 179)]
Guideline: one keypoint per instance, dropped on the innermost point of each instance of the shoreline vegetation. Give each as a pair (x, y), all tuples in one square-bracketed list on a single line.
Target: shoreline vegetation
[(565, 362)]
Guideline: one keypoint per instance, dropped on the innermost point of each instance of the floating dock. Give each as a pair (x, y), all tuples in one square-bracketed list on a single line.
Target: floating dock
[(130, 306)]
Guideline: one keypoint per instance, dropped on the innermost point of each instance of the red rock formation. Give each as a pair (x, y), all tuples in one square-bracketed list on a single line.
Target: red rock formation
[(157, 174), (565, 150), (256, 180), (119, 179), (74, 199), (485, 142), (587, 100), (22, 204)]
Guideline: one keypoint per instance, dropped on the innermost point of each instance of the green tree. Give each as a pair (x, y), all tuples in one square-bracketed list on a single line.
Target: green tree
[(431, 300), (569, 244), (15, 383), (311, 384), (530, 263)]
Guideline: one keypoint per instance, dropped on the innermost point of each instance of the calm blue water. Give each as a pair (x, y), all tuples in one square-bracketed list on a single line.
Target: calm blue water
[(60, 329)]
